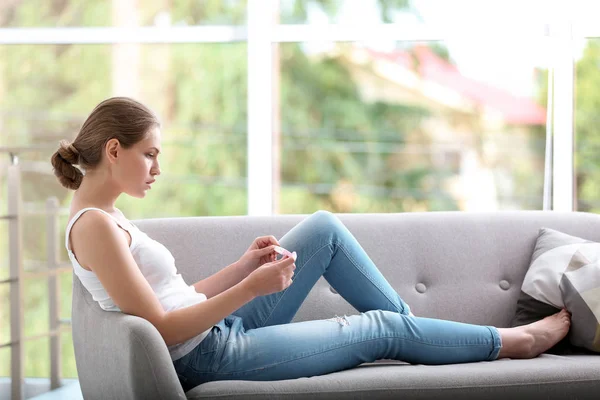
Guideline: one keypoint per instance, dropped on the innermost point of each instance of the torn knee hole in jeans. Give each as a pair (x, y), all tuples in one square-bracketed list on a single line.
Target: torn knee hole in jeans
[(341, 320)]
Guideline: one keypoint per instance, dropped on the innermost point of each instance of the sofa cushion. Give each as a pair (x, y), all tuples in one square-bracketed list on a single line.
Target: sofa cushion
[(564, 272), (547, 376), (580, 289)]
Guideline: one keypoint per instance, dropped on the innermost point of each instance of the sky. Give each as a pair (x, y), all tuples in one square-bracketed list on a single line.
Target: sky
[(499, 42)]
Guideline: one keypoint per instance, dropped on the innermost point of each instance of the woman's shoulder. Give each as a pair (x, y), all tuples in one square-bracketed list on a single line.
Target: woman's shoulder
[(81, 211), (116, 214), (88, 226), (82, 218)]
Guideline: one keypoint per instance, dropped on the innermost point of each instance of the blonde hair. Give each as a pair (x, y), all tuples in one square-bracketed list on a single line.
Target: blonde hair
[(121, 118)]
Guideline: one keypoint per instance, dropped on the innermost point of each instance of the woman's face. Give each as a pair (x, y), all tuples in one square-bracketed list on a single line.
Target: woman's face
[(139, 167)]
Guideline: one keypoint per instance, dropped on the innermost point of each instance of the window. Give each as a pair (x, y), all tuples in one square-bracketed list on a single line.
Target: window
[(587, 123), (396, 127)]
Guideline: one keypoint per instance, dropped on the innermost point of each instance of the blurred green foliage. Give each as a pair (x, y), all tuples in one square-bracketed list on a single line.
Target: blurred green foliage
[(587, 134)]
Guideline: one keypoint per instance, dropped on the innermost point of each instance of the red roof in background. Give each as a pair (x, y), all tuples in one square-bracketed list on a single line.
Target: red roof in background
[(515, 110)]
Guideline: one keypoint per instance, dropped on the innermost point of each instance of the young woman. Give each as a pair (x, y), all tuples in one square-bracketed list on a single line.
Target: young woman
[(236, 324)]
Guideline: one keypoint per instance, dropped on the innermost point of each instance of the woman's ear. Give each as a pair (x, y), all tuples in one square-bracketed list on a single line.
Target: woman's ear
[(112, 150)]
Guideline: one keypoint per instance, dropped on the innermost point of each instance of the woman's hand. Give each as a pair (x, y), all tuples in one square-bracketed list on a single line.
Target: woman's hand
[(271, 277), (260, 252)]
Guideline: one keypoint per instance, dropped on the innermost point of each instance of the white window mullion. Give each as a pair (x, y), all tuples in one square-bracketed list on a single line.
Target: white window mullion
[(403, 32), (109, 35), (547, 197), (345, 33), (563, 168), (260, 99)]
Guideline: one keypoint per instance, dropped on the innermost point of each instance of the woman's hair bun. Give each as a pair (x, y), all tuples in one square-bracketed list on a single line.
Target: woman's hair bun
[(63, 161)]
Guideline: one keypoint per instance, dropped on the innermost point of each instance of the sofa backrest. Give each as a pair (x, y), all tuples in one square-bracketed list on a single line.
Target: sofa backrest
[(461, 266)]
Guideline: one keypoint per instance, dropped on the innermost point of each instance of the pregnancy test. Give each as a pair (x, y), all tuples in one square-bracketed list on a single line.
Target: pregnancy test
[(284, 252)]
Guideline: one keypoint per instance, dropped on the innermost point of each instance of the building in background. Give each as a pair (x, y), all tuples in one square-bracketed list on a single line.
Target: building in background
[(484, 132)]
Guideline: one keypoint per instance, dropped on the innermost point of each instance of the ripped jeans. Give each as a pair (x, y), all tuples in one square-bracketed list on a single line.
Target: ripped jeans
[(258, 342)]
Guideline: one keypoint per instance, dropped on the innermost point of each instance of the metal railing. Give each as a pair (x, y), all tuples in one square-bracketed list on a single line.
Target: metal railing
[(50, 268)]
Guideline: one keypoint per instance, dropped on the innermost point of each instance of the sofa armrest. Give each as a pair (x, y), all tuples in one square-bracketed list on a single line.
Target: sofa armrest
[(119, 356)]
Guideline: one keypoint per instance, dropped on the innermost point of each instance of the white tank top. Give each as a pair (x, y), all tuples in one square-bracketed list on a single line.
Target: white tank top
[(157, 265)]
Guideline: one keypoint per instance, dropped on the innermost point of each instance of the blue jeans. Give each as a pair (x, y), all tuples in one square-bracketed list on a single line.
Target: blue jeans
[(258, 342)]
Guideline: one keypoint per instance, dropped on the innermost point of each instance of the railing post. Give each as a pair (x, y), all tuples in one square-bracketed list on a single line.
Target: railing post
[(16, 284), (52, 209)]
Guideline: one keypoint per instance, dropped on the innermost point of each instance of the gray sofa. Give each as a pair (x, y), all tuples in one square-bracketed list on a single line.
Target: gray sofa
[(465, 267)]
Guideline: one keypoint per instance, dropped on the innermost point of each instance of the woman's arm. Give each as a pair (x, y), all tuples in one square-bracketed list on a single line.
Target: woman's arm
[(185, 323), (102, 247), (222, 280), (261, 251)]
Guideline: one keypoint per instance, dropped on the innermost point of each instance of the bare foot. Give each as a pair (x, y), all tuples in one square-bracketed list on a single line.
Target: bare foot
[(529, 341)]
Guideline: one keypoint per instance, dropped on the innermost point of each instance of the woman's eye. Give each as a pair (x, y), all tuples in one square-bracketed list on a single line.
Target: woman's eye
[(150, 155)]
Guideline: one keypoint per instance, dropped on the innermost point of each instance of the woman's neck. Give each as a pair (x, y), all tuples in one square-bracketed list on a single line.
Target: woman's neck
[(97, 189)]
